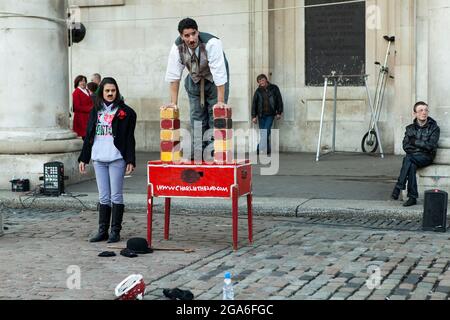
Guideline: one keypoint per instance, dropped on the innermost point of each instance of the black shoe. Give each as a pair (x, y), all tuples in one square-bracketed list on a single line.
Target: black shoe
[(395, 194), (410, 202), (104, 213)]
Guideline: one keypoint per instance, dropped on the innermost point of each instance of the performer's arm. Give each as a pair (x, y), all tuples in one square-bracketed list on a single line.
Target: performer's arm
[(173, 73), (221, 94), (174, 89)]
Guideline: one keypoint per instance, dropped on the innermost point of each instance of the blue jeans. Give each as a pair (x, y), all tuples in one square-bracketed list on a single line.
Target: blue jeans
[(408, 172), (110, 177), (265, 128)]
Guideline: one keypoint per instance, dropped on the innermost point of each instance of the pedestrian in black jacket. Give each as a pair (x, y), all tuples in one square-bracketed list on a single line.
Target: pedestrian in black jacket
[(111, 145), (420, 144), (267, 105)]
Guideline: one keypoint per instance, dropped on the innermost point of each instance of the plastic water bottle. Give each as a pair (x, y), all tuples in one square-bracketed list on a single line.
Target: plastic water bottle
[(228, 293)]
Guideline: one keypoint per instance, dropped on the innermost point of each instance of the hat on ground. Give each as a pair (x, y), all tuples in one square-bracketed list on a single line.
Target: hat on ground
[(131, 288), (138, 245), (128, 253)]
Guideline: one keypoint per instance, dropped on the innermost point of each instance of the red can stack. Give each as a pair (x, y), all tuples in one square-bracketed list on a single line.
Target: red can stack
[(170, 134), (223, 134)]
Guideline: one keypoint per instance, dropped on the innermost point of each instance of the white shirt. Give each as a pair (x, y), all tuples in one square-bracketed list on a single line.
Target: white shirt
[(216, 59), (104, 149), (84, 91)]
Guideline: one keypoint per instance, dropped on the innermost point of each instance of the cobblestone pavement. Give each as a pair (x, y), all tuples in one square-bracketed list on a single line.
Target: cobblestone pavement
[(291, 258)]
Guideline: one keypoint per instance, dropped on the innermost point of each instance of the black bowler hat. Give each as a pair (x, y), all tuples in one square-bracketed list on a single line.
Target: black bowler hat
[(138, 245)]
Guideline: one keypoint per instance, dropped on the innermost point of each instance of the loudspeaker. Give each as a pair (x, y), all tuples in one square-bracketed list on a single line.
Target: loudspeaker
[(53, 179), (435, 211)]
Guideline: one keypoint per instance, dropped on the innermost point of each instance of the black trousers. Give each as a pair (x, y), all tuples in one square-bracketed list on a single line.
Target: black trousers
[(411, 163)]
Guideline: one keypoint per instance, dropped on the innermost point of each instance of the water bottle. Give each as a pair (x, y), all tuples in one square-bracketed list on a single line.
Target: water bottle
[(228, 293)]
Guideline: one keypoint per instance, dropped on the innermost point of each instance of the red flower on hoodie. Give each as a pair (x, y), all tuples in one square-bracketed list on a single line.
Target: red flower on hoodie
[(121, 115)]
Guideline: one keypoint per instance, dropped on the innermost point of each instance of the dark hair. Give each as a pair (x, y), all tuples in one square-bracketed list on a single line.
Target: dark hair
[(260, 77), (98, 101), (420, 103), (78, 79), (187, 23), (92, 86)]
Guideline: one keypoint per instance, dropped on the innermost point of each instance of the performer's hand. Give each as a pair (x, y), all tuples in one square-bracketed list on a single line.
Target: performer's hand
[(279, 116), (82, 167), (130, 169), (255, 120), (170, 105)]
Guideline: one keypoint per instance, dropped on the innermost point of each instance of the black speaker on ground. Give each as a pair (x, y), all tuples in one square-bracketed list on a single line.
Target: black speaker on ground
[(53, 179), (435, 211)]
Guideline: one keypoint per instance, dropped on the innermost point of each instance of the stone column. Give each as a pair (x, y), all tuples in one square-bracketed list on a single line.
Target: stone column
[(34, 92), (404, 68), (438, 11)]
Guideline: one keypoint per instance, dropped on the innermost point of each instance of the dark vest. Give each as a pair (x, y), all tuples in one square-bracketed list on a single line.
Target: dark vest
[(198, 67)]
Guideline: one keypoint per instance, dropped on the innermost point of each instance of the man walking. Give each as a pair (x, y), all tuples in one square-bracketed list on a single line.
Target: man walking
[(267, 105), (207, 83), (420, 144)]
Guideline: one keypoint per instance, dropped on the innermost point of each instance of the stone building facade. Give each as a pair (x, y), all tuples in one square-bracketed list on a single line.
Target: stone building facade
[(130, 40)]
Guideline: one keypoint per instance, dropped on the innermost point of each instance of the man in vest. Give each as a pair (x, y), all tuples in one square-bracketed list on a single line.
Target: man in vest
[(207, 83)]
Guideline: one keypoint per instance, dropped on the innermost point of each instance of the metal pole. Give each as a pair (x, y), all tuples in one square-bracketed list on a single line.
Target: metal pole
[(325, 85), (335, 114), (376, 125)]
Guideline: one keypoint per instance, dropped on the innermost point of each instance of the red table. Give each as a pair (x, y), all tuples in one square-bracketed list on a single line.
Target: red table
[(190, 180)]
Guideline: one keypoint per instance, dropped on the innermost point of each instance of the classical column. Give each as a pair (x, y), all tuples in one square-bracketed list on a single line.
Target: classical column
[(438, 11), (34, 92)]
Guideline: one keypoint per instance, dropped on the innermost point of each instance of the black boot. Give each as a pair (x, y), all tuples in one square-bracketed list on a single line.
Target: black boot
[(116, 222), (395, 194), (104, 216)]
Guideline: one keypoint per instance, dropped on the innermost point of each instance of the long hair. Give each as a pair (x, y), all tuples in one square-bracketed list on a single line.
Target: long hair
[(98, 100), (78, 79)]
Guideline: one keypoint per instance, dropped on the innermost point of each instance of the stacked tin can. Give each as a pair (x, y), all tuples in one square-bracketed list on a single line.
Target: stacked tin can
[(223, 134), (170, 134)]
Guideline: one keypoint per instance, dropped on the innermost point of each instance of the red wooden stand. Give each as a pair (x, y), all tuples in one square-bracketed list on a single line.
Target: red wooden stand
[(190, 180)]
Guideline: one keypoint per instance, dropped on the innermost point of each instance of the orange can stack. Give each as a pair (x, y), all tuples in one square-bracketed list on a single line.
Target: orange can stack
[(170, 134), (223, 134)]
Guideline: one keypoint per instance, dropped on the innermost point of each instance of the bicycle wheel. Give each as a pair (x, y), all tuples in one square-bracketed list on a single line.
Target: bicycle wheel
[(369, 143)]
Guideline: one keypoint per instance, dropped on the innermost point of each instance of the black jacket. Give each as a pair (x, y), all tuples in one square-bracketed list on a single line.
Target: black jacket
[(423, 140), (123, 133), (275, 101)]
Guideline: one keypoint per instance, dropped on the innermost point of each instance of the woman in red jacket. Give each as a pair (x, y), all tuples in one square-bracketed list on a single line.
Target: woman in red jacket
[(82, 106)]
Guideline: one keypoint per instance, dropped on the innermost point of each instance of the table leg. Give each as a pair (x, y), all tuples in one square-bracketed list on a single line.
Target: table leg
[(167, 219), (250, 218), (235, 200), (149, 220)]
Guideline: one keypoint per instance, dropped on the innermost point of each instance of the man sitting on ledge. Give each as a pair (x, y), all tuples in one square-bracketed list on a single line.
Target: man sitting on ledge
[(420, 144)]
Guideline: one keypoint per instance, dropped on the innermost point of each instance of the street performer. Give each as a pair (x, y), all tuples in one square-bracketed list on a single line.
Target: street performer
[(207, 83)]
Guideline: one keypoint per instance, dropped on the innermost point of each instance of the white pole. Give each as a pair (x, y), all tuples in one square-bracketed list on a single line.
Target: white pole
[(325, 85)]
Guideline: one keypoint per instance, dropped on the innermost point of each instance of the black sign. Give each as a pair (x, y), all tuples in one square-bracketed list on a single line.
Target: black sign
[(335, 41)]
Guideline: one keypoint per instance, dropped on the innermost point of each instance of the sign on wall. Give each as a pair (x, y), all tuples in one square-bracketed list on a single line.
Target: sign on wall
[(335, 40)]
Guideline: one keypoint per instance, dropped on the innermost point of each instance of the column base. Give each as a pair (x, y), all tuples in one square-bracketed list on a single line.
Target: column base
[(32, 167), (436, 176), (38, 141)]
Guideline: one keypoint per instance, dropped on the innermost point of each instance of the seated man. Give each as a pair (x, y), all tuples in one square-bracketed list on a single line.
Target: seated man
[(420, 144)]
